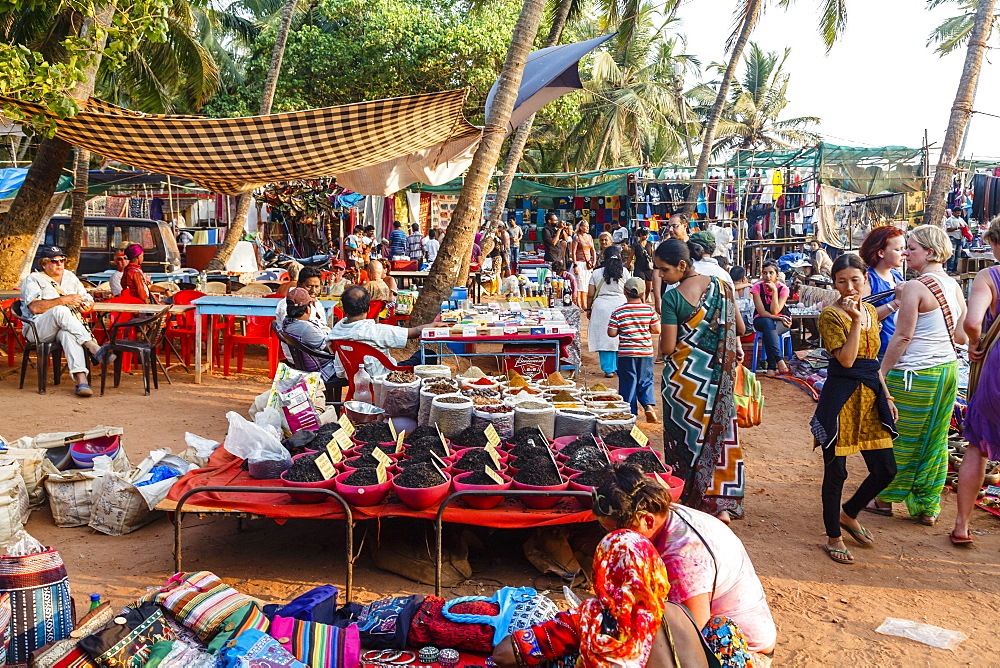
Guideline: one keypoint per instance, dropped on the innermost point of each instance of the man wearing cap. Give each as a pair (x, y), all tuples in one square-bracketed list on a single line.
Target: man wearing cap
[(134, 281), (297, 322), (115, 281), (309, 281), (52, 299), (339, 283)]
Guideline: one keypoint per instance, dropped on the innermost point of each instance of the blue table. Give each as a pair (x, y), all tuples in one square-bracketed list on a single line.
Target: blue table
[(213, 305), (156, 277)]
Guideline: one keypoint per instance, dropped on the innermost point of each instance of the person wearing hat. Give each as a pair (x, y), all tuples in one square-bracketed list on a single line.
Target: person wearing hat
[(634, 324), (338, 284), (702, 259), (605, 293), (297, 322), (115, 281), (134, 281), (308, 280), (53, 300)]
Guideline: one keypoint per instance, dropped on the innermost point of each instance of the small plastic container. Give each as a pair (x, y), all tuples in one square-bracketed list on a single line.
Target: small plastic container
[(371, 495), (481, 502), (621, 454), (541, 502), (85, 452), (59, 457), (422, 498)]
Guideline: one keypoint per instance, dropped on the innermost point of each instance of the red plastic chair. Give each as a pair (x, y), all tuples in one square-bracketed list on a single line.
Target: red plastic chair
[(374, 308), (11, 329), (113, 319), (258, 332), (352, 355), (181, 327)]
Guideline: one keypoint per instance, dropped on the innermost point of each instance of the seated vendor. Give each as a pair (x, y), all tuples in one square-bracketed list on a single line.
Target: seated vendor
[(821, 262), (357, 326), (54, 299), (298, 323), (339, 283), (710, 570), (308, 280), (115, 281), (629, 623)]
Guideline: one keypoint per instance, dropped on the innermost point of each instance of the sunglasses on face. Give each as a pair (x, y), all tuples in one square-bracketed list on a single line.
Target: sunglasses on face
[(57, 260)]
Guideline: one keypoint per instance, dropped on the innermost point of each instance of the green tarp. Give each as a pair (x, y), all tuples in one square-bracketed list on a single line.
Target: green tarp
[(526, 188), (523, 187)]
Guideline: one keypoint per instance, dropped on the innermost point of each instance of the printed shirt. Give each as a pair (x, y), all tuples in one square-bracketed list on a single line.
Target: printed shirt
[(633, 322), (415, 246), (39, 285)]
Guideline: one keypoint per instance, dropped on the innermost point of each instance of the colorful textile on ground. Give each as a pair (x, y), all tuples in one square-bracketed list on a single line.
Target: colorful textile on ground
[(41, 607), (727, 642), (128, 644), (318, 644), (981, 426), (925, 400), (259, 650), (200, 601), (700, 438)]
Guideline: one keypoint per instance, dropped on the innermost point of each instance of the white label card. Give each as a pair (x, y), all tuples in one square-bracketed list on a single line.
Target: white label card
[(392, 429), (325, 466), (494, 476), (380, 472), (345, 424), (333, 450), (639, 437), (382, 458), (492, 437)]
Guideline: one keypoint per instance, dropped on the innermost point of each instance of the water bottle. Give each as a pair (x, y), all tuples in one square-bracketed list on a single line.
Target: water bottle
[(95, 601), (363, 388)]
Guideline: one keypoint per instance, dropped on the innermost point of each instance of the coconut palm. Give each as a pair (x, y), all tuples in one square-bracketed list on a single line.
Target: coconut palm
[(953, 32), (752, 118)]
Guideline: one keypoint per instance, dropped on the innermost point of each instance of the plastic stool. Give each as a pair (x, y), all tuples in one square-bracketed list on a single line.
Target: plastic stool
[(759, 351)]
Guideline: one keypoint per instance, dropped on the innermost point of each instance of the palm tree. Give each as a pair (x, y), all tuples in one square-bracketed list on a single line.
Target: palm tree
[(954, 31), (961, 109), (752, 118)]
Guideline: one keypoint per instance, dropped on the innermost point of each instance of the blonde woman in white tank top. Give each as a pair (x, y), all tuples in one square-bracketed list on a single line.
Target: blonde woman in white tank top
[(921, 372)]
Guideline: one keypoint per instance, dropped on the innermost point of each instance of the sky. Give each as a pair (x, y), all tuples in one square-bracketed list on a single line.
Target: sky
[(879, 85)]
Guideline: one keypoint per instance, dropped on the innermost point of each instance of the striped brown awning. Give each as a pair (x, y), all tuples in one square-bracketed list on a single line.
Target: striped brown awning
[(236, 155)]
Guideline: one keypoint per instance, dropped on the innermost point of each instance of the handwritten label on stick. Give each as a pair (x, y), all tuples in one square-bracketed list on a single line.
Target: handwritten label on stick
[(345, 424), (325, 466), (494, 476), (492, 437), (639, 437), (333, 450)]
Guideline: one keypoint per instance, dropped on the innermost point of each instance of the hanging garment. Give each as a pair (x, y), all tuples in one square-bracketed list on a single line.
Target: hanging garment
[(777, 181)]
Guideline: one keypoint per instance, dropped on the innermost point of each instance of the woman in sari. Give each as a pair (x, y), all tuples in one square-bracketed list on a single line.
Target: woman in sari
[(699, 337), (982, 415), (921, 371)]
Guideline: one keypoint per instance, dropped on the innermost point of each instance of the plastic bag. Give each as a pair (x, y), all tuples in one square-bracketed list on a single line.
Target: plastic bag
[(198, 449), (401, 399), (935, 636), (23, 544), (254, 443)]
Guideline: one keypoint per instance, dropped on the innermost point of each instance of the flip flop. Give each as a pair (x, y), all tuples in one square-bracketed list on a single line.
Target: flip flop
[(885, 512), (859, 536), (958, 541), (927, 520), (839, 556)]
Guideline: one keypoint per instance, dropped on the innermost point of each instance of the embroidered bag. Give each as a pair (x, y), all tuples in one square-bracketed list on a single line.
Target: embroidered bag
[(385, 624), (257, 649), (318, 644), (127, 645), (431, 627), (200, 601), (520, 608), (42, 610)]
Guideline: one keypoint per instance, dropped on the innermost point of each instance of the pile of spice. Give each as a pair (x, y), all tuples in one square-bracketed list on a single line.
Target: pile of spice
[(401, 377), (426, 445), (374, 432), (473, 372), (528, 450), (364, 462), (484, 381), (494, 408), (325, 432), (620, 438), (479, 478), (470, 437), (525, 434), (486, 401), (304, 469), (647, 461), (592, 478), (419, 433), (362, 478), (416, 458), (481, 392), (419, 476), (440, 382), (557, 379), (532, 405), (439, 389), (599, 387), (475, 460), (587, 458), (368, 448), (538, 476), (586, 440), (601, 398), (517, 381), (617, 417), (563, 397)]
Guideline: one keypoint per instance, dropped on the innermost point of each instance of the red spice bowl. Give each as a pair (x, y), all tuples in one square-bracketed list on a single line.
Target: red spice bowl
[(481, 502), (541, 502), (577, 487), (371, 495), (308, 498), (673, 483), (422, 498), (621, 454)]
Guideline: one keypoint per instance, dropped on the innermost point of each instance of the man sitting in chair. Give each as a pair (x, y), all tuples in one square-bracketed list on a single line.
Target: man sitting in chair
[(357, 326), (53, 300)]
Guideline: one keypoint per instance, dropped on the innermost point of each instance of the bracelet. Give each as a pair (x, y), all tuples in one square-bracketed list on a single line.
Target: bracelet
[(889, 397), (893, 306)]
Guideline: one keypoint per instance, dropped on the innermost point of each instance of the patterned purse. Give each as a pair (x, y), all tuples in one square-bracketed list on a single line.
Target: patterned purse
[(200, 601), (127, 640), (318, 644), (40, 603), (520, 608), (431, 627)]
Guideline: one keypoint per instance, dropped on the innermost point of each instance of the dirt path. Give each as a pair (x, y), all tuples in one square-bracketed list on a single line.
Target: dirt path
[(826, 613)]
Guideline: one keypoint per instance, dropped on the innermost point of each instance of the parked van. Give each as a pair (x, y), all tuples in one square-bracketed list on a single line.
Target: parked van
[(103, 236)]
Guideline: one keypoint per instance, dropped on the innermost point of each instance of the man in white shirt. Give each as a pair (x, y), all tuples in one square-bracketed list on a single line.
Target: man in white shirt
[(51, 299), (708, 266), (620, 234), (357, 326), (354, 247), (516, 234), (953, 226), (431, 245)]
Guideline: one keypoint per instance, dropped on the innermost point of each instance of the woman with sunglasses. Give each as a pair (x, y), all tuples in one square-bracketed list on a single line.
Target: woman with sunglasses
[(709, 569)]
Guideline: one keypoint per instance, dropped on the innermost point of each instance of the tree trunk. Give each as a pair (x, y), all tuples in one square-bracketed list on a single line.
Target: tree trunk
[(234, 232), (961, 111), (520, 140), (74, 236), (28, 212), (457, 242), (712, 124)]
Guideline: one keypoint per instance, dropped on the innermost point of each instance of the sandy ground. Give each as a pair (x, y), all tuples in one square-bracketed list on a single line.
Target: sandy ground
[(826, 613)]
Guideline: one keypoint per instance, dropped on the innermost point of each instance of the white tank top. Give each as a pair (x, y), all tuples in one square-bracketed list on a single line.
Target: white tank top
[(931, 344)]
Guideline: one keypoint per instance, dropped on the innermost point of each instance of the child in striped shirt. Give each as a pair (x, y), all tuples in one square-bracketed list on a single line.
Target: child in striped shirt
[(634, 323)]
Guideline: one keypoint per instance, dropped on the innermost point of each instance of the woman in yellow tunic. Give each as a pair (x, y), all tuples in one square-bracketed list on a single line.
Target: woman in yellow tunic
[(855, 412)]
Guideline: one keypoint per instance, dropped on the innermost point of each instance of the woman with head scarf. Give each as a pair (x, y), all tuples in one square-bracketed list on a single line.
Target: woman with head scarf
[(629, 624), (606, 293)]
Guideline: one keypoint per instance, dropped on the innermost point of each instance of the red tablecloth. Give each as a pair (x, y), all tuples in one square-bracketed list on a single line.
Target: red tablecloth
[(227, 470)]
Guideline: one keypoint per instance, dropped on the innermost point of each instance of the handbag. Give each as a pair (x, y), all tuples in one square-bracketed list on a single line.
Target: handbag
[(127, 643), (316, 605), (316, 644), (748, 397), (431, 627), (199, 600), (385, 624), (247, 617), (66, 653), (41, 607), (258, 649), (520, 608)]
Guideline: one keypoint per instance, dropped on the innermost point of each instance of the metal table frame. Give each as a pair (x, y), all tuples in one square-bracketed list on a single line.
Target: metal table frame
[(509, 493), (179, 518)]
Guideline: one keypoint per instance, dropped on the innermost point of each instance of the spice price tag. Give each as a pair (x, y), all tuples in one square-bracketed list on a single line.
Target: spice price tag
[(343, 440), (392, 429), (440, 470), (325, 466), (494, 476), (494, 455), (382, 458), (399, 441), (639, 437), (444, 441), (380, 471), (492, 437), (345, 424), (334, 451)]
